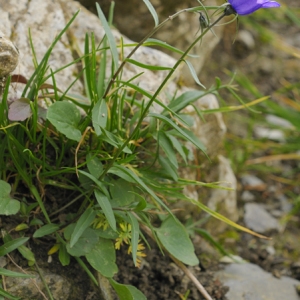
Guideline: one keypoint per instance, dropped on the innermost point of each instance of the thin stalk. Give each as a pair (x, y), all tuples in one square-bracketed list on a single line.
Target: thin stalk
[(44, 282), (145, 111), (155, 29)]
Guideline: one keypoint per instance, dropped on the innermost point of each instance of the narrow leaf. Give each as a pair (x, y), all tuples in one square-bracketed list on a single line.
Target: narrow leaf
[(185, 134), (152, 11), (8, 295), (210, 239), (165, 144), (148, 67), (193, 73), (45, 230), (135, 233), (114, 140), (124, 173), (9, 273), (155, 42), (110, 37), (105, 205), (184, 100), (167, 168), (177, 145), (95, 180), (82, 224), (12, 245), (99, 116), (158, 102), (226, 220)]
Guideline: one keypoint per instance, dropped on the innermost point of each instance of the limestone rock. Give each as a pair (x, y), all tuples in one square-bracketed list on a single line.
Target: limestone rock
[(249, 281), (258, 219), (32, 288), (135, 21), (45, 19)]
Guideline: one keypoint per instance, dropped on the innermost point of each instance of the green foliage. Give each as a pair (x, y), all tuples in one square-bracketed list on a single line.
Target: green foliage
[(169, 234), (65, 116), (8, 206), (115, 163), (127, 292)]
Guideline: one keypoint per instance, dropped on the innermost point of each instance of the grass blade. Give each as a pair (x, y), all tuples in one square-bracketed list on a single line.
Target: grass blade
[(152, 11), (110, 37)]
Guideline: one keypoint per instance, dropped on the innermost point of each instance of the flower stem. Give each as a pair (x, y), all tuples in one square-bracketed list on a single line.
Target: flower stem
[(145, 111), (154, 30)]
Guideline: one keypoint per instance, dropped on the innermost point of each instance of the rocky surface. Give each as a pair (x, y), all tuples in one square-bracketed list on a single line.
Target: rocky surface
[(258, 219), (135, 21), (249, 282)]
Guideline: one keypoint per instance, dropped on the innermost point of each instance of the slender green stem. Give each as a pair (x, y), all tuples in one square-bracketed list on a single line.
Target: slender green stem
[(44, 282), (155, 29), (145, 111)]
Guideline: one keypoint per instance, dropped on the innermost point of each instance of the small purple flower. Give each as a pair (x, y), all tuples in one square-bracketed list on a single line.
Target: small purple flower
[(245, 7)]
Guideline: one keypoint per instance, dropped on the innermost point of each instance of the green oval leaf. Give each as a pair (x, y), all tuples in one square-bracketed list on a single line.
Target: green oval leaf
[(94, 165), (65, 116), (27, 254), (175, 239), (64, 256), (84, 244), (8, 206), (103, 258), (127, 292)]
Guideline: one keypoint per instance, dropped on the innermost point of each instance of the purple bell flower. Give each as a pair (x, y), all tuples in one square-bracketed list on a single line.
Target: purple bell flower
[(245, 7)]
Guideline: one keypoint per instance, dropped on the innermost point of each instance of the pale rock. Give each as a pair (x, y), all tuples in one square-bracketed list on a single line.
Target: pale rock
[(267, 133), (258, 219), (277, 121), (246, 38), (45, 19), (249, 282), (247, 196), (252, 182)]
